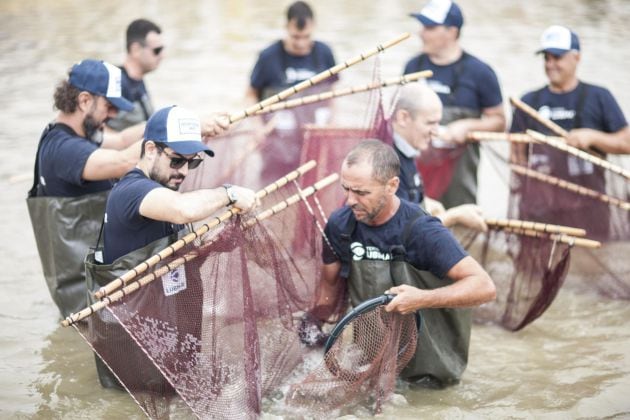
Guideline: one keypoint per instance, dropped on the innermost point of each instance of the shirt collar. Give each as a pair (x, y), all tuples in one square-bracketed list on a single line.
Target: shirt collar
[(405, 148)]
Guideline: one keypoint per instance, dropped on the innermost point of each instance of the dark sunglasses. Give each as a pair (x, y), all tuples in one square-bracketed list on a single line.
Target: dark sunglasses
[(177, 162), (157, 50)]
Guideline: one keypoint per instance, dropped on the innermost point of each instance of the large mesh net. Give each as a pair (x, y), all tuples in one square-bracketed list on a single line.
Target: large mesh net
[(551, 185)]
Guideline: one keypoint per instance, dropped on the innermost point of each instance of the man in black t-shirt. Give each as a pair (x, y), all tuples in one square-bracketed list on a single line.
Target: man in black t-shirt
[(362, 237), (415, 121), (145, 205)]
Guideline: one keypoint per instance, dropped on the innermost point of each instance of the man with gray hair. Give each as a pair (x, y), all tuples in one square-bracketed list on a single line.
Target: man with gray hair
[(415, 120), (373, 232)]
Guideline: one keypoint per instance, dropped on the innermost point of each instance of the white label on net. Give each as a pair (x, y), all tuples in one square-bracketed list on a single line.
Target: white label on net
[(174, 281)]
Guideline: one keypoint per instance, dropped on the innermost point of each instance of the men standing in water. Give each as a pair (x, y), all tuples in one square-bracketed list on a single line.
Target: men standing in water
[(415, 122), (281, 65), (594, 122), (144, 54), (366, 237), (469, 91), (72, 177)]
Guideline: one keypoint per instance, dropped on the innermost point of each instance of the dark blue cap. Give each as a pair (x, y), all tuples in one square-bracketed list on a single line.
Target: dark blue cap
[(558, 40), (102, 79)]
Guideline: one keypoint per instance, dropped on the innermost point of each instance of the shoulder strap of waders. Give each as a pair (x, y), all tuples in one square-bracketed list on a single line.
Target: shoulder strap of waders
[(399, 251), (33, 192)]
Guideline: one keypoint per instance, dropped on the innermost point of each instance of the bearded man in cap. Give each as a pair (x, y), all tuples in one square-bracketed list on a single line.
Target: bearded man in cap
[(73, 175), (468, 88), (594, 122)]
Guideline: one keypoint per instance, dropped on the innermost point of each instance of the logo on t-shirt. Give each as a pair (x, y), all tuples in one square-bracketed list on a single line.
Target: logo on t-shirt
[(360, 252), (439, 87), (297, 75), (556, 113)]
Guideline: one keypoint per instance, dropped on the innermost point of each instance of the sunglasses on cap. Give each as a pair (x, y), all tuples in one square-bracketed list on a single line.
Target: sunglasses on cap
[(177, 162)]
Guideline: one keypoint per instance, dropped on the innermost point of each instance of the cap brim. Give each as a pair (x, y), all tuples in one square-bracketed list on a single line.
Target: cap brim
[(554, 51), (121, 103), (424, 20), (189, 147)]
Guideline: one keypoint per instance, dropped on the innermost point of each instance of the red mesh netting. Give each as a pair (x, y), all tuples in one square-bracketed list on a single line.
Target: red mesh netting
[(606, 269), (528, 273)]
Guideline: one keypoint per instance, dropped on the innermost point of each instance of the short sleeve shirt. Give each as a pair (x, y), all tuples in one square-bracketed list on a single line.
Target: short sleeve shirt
[(276, 69), (430, 246), (61, 161), (468, 82), (125, 229)]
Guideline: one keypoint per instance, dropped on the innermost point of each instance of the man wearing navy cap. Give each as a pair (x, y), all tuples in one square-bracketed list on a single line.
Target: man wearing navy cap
[(468, 88), (594, 121), (145, 205), (73, 175)]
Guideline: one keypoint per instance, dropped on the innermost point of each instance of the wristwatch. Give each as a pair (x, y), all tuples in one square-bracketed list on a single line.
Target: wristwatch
[(231, 193)]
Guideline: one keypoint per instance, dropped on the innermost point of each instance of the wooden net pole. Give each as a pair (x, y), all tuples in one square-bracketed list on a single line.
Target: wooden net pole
[(175, 246), (306, 100), (143, 281), (535, 226), (316, 79)]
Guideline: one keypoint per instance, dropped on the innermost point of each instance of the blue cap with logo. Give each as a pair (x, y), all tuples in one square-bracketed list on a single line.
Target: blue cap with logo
[(178, 129), (558, 40), (102, 79), (440, 12)]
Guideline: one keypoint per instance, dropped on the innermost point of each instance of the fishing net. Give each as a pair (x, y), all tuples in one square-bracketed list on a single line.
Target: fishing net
[(595, 199), (527, 271), (221, 335)]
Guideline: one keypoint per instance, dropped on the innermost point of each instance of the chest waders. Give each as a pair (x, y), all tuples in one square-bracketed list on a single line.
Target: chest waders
[(141, 112), (443, 340), (463, 186), (64, 228), (109, 337)]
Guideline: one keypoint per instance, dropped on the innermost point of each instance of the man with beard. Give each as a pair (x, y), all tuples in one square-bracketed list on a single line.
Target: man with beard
[(145, 204), (471, 95), (73, 176), (380, 243)]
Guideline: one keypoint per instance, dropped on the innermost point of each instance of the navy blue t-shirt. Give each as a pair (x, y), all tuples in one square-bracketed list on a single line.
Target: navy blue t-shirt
[(135, 91), (61, 160), (125, 229), (468, 82), (411, 187), (586, 106), (276, 69), (430, 247)]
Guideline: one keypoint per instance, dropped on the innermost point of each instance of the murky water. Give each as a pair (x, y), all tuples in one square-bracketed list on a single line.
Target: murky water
[(574, 362)]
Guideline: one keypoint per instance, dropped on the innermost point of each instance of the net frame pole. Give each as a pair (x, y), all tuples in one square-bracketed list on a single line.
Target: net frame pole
[(153, 260), (316, 79), (132, 286)]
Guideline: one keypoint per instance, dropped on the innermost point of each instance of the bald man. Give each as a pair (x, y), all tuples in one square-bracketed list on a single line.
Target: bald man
[(415, 121)]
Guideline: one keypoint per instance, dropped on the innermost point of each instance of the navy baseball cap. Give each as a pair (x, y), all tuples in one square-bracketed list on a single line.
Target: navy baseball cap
[(440, 12), (178, 129), (102, 79), (558, 40)]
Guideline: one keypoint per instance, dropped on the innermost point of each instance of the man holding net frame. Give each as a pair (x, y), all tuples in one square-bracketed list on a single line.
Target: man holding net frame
[(376, 228)]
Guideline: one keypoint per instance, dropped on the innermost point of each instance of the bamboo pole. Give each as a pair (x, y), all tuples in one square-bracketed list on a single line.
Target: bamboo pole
[(499, 136), (535, 115), (625, 205), (306, 100), (175, 246), (143, 281), (561, 145), (560, 237), (315, 79), (535, 226)]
